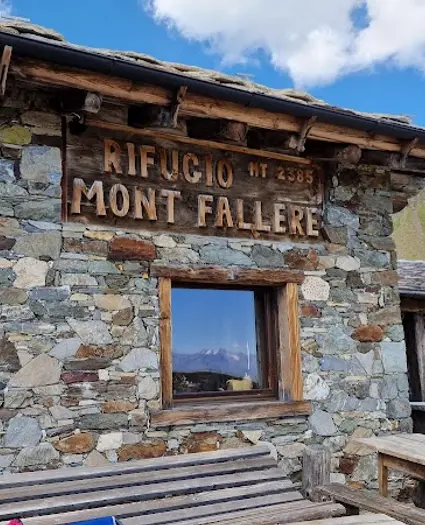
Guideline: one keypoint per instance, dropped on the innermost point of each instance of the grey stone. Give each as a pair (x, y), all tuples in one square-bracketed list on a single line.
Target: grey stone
[(139, 359), (12, 194), (40, 371), (95, 459), (338, 341), (393, 357), (373, 258), (41, 164), (71, 266), (369, 405), (135, 334), (16, 313), (388, 315), (101, 268), (389, 388), (341, 402), (338, 216), (91, 332), (148, 388), (7, 276), (221, 255), (103, 421), (6, 460), (347, 263), (315, 388), (322, 424), (164, 241), (6, 211), (47, 244), (335, 364), (59, 293), (61, 413), (40, 210), (30, 273), (59, 310), (16, 398), (178, 254), (366, 469), (336, 235), (399, 408), (396, 333), (42, 454), (264, 256), (66, 348), (7, 171), (78, 279), (403, 383), (366, 361), (22, 432), (13, 296)]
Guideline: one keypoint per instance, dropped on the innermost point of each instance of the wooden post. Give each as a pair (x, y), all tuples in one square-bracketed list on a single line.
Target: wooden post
[(316, 470), (382, 476)]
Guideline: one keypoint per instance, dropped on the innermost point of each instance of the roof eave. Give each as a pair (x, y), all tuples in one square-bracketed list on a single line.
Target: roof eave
[(46, 51)]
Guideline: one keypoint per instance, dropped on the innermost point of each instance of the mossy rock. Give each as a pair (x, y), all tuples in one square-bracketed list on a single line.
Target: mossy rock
[(15, 134)]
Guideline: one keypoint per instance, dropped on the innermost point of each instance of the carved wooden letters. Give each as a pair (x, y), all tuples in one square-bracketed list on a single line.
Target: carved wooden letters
[(162, 185)]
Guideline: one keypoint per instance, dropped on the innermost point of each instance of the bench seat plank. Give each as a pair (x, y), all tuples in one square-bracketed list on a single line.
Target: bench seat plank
[(159, 505), (144, 465), (21, 493), (265, 500), (277, 514), (372, 502), (49, 505), (367, 518)]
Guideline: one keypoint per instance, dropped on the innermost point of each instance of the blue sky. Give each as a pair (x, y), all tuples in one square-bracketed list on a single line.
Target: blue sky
[(213, 319), (379, 87)]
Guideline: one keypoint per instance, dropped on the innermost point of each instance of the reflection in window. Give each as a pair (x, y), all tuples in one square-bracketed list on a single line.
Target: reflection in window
[(214, 344)]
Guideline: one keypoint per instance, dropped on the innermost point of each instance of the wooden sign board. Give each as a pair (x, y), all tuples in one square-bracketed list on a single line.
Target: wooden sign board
[(174, 185)]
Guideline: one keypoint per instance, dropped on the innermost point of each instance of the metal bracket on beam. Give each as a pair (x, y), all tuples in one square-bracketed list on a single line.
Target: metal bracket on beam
[(175, 106), (298, 142), (405, 151), (4, 68)]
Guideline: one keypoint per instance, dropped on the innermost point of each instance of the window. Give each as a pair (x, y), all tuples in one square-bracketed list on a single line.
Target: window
[(220, 343), (230, 347)]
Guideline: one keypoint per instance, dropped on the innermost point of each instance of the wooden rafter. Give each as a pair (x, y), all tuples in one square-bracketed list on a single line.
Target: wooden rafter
[(175, 106), (298, 142), (4, 68), (406, 150), (199, 106)]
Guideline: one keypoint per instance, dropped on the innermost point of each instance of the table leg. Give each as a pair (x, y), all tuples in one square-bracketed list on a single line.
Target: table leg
[(382, 476)]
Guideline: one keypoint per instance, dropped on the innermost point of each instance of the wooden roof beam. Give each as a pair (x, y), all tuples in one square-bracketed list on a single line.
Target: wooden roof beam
[(298, 143), (4, 68), (175, 106), (199, 106)]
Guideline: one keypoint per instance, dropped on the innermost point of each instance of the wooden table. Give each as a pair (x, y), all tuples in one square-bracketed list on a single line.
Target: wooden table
[(402, 452)]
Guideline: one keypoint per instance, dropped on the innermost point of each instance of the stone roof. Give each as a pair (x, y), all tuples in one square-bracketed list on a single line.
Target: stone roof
[(32, 31), (411, 276)]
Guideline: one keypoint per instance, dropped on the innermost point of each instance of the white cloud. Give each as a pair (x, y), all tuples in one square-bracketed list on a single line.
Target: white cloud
[(5, 8), (314, 41)]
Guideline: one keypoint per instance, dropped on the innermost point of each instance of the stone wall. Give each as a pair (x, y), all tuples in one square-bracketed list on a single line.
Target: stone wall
[(79, 333)]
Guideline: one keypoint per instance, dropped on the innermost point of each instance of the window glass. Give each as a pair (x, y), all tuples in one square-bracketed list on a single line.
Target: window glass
[(214, 343)]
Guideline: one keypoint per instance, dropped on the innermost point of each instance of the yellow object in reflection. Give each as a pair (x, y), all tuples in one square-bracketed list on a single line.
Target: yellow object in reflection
[(240, 384)]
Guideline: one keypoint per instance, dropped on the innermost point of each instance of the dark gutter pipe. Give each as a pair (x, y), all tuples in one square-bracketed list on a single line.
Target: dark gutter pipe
[(57, 53), (405, 292)]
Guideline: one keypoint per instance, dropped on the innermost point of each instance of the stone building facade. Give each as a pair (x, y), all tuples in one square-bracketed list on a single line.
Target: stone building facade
[(80, 340)]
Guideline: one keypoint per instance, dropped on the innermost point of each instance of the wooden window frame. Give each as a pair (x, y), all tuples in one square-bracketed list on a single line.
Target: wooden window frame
[(282, 320)]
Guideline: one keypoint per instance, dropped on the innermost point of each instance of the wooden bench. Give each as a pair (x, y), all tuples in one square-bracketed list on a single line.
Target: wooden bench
[(232, 485), (357, 499)]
